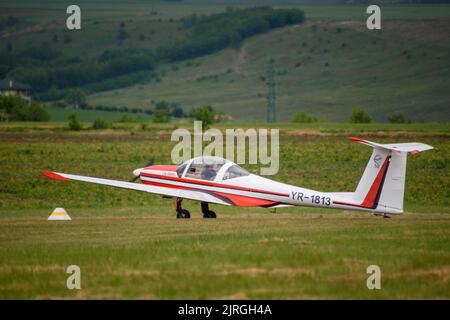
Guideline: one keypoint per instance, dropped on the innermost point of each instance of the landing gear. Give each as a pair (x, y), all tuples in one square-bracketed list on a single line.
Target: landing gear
[(184, 214), (206, 212), (181, 213)]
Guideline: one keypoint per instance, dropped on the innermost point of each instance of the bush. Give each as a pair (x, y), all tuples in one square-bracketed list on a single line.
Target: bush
[(74, 123), (100, 124), (359, 115), (162, 112), (15, 109), (303, 117), (398, 118), (205, 114), (38, 112), (177, 111)]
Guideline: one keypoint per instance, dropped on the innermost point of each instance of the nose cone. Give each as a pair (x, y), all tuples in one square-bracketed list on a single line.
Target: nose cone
[(137, 172)]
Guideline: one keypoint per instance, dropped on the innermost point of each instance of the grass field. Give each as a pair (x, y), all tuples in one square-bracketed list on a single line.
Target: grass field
[(129, 244), (60, 115)]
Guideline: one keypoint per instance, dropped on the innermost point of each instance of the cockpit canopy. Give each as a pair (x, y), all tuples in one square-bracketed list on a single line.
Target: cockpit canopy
[(210, 168)]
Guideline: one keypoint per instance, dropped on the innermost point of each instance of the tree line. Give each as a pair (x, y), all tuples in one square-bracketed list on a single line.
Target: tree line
[(14, 108), (50, 73)]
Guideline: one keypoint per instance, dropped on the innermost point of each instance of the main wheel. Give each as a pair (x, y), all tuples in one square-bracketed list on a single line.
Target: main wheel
[(183, 214), (209, 214)]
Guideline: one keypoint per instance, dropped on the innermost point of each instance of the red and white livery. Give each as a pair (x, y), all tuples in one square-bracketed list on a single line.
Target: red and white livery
[(220, 181)]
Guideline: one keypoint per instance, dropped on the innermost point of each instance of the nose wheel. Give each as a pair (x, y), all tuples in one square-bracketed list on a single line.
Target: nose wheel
[(181, 213), (206, 212)]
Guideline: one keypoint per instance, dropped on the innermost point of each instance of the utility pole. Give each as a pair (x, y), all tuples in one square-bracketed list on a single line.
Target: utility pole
[(271, 95)]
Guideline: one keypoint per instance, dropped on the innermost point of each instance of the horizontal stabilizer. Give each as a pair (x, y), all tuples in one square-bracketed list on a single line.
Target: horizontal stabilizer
[(410, 147)]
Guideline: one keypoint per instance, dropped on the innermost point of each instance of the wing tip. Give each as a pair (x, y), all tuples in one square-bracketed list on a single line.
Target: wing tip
[(357, 140), (54, 176)]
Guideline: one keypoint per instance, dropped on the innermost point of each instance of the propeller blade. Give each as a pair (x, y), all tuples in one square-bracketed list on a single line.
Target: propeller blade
[(148, 164)]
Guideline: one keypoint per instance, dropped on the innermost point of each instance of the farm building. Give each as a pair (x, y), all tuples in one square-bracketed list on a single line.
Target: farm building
[(9, 87)]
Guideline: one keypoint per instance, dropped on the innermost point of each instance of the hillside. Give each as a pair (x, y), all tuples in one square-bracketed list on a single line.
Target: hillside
[(326, 66)]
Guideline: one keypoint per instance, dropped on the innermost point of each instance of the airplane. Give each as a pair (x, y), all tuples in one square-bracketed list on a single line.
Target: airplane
[(215, 180)]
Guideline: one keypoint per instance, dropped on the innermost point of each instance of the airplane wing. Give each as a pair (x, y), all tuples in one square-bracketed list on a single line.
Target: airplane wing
[(165, 191)]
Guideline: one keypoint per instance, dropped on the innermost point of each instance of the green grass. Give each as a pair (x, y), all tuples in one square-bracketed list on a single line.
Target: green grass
[(116, 153), (129, 244), (124, 254), (60, 115)]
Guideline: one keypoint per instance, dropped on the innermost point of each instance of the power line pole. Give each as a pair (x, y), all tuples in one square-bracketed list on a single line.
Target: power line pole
[(271, 95)]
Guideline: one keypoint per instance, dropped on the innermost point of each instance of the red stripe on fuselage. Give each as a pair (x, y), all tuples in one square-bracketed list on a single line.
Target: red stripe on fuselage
[(237, 200), (244, 201), (211, 184), (162, 168)]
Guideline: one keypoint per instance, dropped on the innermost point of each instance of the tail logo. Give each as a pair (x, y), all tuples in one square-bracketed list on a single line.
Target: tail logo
[(377, 161)]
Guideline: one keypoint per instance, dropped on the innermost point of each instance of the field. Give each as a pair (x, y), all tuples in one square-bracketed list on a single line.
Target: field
[(129, 244), (60, 114)]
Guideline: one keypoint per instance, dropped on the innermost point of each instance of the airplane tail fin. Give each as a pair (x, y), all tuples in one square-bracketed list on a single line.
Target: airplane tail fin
[(382, 184)]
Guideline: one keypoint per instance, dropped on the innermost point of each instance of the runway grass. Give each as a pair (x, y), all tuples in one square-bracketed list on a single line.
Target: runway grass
[(129, 244), (241, 255)]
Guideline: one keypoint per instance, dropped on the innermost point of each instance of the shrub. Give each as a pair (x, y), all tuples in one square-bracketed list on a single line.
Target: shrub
[(177, 111), (359, 115), (205, 114), (100, 124), (15, 109), (162, 112), (398, 118), (303, 117), (74, 123), (38, 112)]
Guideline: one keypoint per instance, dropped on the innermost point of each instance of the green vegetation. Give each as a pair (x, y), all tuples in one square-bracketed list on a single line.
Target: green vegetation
[(140, 68), (359, 115), (218, 31), (49, 72), (14, 108), (129, 244), (303, 117), (88, 115), (162, 112), (75, 99), (100, 124), (391, 72), (74, 123), (366, 68), (116, 153), (205, 114), (398, 118)]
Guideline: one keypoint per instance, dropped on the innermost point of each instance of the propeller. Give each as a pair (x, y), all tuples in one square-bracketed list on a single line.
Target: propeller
[(146, 165)]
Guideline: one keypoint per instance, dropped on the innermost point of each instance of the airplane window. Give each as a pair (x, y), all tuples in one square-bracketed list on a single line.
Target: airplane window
[(204, 170), (235, 172), (180, 169)]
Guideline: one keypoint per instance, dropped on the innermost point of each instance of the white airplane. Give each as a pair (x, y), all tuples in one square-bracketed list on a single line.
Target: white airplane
[(220, 181)]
